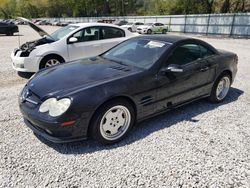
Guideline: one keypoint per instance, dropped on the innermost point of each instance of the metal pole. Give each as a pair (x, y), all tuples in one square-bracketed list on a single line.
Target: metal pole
[(185, 23), (208, 22), (232, 26)]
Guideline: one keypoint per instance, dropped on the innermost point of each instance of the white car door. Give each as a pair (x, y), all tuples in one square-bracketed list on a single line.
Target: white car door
[(87, 44), (111, 36)]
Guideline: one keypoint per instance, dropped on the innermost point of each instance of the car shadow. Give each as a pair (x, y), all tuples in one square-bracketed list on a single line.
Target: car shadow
[(143, 129), (26, 75), (15, 35)]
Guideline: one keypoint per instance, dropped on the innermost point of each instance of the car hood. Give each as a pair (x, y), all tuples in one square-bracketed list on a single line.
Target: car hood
[(40, 31), (76, 76), (144, 27), (125, 26)]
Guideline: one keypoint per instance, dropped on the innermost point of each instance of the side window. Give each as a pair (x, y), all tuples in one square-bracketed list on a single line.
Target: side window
[(87, 34), (184, 54), (205, 52), (112, 32), (160, 24)]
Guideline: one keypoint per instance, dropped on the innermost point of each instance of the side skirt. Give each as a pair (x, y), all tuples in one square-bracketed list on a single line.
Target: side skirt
[(172, 107)]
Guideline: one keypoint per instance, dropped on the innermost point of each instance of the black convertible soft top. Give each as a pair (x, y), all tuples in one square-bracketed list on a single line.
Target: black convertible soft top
[(166, 38)]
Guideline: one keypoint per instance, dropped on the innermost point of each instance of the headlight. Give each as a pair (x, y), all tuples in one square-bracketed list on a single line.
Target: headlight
[(55, 107)]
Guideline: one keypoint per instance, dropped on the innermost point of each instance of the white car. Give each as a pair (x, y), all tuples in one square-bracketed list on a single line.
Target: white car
[(151, 28), (132, 26), (72, 42)]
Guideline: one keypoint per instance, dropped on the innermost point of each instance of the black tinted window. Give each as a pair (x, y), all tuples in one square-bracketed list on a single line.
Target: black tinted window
[(184, 54), (205, 52), (111, 32)]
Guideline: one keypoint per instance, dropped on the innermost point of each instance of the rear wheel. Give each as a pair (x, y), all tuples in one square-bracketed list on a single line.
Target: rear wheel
[(220, 88), (164, 31), (112, 121), (9, 33)]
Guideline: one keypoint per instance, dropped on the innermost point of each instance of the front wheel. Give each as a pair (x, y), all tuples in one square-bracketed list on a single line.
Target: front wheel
[(220, 88), (50, 61), (112, 121), (149, 32)]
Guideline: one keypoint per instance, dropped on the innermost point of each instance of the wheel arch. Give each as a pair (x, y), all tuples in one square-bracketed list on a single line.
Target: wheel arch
[(123, 97), (55, 55), (226, 71)]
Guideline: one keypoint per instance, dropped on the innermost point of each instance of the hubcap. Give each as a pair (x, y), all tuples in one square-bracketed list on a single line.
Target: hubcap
[(223, 88), (52, 62), (115, 122)]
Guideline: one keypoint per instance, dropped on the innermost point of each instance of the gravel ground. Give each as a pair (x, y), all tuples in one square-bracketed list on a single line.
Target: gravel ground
[(198, 145)]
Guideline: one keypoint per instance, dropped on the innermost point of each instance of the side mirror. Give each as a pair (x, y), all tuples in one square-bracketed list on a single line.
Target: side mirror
[(73, 40), (172, 68)]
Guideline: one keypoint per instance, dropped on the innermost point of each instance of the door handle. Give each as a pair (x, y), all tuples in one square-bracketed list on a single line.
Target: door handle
[(203, 69)]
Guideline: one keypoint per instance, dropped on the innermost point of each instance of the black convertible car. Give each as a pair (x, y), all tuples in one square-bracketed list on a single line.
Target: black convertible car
[(8, 28), (104, 96)]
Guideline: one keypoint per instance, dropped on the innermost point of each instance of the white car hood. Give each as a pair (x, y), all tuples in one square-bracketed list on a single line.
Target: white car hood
[(40, 31), (144, 27), (125, 26)]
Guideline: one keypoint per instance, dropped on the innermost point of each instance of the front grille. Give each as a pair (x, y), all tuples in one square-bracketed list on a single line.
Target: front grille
[(29, 98)]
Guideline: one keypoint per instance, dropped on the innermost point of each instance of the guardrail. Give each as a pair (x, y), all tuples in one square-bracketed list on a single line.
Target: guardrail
[(233, 25)]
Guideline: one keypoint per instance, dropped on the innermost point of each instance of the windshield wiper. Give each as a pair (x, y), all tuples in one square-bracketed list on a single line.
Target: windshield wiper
[(115, 61)]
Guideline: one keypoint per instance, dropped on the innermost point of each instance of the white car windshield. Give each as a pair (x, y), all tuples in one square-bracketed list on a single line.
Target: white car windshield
[(60, 33), (141, 53)]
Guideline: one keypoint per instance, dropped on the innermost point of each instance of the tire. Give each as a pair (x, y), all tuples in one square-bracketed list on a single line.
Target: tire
[(164, 31), (220, 88), (106, 120), (149, 31), (50, 60), (9, 33)]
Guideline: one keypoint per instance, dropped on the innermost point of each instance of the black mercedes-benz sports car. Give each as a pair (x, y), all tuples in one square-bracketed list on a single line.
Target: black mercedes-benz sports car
[(104, 96)]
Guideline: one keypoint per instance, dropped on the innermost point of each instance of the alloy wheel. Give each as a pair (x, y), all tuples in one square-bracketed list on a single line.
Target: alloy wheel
[(115, 122)]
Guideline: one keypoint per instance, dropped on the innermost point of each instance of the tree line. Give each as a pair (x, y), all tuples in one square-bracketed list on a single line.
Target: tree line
[(84, 8)]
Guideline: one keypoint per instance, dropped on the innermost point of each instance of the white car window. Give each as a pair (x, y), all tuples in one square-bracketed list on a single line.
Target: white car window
[(87, 34), (112, 32), (60, 33)]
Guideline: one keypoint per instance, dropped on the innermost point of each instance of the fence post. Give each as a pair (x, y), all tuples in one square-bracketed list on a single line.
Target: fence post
[(232, 26), (208, 22), (185, 23), (169, 24)]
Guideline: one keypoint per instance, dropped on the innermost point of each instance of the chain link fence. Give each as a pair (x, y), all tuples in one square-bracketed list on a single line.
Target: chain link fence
[(233, 25)]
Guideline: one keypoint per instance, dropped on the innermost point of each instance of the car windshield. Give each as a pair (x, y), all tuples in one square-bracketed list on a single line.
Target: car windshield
[(60, 33), (141, 53)]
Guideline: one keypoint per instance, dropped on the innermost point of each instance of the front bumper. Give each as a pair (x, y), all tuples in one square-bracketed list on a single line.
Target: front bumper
[(24, 64), (47, 136), (51, 128), (143, 31)]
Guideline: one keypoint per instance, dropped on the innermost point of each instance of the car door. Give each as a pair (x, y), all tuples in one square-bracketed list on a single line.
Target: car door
[(3, 27), (179, 87), (160, 27), (87, 44), (209, 64), (110, 36)]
